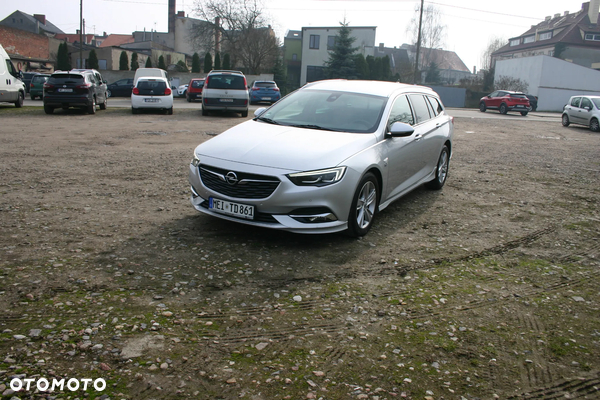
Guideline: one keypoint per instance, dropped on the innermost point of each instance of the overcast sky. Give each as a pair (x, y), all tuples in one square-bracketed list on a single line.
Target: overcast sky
[(470, 24)]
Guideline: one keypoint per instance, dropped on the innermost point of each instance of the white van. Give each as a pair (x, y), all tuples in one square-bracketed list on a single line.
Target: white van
[(150, 72), (12, 88)]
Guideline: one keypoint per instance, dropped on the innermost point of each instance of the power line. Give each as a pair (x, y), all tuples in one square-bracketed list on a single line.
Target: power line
[(483, 11)]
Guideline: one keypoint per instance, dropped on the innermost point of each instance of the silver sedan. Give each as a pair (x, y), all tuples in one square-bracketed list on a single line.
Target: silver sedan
[(326, 158)]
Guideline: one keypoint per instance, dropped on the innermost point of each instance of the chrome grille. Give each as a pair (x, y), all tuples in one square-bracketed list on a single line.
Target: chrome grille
[(248, 186)]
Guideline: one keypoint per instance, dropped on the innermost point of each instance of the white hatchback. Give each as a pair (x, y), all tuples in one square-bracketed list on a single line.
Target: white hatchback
[(152, 93)]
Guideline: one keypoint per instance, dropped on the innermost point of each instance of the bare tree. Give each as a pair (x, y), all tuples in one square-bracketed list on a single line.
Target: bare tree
[(239, 27), (494, 44), (433, 33), (510, 83)]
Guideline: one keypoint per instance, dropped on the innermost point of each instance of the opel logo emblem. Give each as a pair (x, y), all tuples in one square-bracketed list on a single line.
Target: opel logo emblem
[(231, 178)]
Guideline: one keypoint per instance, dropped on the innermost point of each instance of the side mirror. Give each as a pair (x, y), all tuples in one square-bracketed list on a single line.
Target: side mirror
[(259, 112), (400, 129)]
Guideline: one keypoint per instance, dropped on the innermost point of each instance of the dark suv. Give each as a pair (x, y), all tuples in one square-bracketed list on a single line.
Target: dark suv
[(76, 88), (505, 101)]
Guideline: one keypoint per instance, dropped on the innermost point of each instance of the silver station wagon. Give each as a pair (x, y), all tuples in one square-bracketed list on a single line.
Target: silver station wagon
[(326, 158)]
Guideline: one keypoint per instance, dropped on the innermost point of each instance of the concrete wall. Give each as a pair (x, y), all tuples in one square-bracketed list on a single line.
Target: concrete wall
[(551, 79), (451, 97)]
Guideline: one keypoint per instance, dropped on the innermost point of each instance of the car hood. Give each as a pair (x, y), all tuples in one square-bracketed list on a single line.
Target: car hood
[(276, 146)]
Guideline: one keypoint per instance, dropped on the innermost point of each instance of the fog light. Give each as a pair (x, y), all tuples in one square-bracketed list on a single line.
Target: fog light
[(315, 219)]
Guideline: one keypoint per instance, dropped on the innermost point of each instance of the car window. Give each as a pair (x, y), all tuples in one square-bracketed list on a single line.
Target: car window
[(401, 112), (420, 108), (436, 105), (151, 85), (233, 82), (576, 101), (265, 84), (519, 96), (59, 79), (494, 94), (197, 84), (585, 102), (596, 101)]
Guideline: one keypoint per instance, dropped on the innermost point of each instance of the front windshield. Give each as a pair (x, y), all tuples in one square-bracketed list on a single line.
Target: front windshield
[(328, 110), (596, 101)]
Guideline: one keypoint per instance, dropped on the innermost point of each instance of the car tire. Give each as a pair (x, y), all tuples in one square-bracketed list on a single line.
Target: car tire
[(105, 103), (32, 97), (189, 99), (170, 111), (92, 107), (134, 110), (503, 109), (48, 109), (364, 206), (524, 113), (534, 108), (441, 171), (108, 93), (244, 114), (19, 102), (204, 112), (565, 120), (594, 125), (482, 107)]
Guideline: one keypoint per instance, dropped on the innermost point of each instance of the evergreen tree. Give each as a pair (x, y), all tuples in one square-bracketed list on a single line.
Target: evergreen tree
[(195, 63), (92, 61), (433, 74), (385, 68), (488, 79), (123, 62), (161, 63), (181, 66), (148, 62), (341, 63), (63, 62), (217, 61), (208, 64), (362, 68), (226, 61), (134, 62), (279, 75)]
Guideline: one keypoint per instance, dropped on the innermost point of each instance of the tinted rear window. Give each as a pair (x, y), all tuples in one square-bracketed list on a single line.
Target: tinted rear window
[(197, 84), (519, 96), (152, 85), (39, 79), (58, 79), (265, 84), (226, 82)]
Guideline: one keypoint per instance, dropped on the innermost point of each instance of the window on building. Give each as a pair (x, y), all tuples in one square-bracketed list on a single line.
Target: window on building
[(592, 36), (330, 42), (545, 35), (294, 57), (515, 42), (314, 73), (314, 41), (529, 39)]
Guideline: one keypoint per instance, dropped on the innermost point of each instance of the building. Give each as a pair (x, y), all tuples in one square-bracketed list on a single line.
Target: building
[(35, 23), (318, 41), (292, 57), (571, 37)]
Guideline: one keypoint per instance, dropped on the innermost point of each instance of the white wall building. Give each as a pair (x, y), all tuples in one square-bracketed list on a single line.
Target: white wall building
[(553, 80), (318, 41)]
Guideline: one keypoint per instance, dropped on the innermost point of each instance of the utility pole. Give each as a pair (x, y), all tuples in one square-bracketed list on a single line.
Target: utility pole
[(417, 73), (80, 33)]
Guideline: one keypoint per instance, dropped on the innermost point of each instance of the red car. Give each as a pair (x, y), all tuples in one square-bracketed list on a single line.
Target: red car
[(505, 101), (194, 90)]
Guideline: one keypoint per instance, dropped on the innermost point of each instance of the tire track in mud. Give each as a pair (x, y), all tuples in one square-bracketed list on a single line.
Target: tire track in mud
[(574, 388)]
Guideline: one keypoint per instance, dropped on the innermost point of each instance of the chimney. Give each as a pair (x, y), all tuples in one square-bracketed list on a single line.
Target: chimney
[(380, 46), (548, 18), (566, 13), (172, 16), (181, 14), (593, 11), (41, 18), (556, 15)]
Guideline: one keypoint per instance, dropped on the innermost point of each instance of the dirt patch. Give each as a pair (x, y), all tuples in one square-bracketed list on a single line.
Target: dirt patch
[(487, 289)]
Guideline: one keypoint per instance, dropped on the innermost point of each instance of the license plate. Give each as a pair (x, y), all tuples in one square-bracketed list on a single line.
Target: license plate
[(63, 90), (226, 100), (265, 98), (151, 100), (229, 208)]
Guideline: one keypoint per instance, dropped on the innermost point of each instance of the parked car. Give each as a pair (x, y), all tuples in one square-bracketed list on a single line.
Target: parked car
[(264, 91), (225, 90), (182, 90), (194, 91), (152, 93), (36, 87), (120, 88), (326, 158), (82, 88), (505, 101), (27, 76), (582, 110), (533, 100), (146, 72)]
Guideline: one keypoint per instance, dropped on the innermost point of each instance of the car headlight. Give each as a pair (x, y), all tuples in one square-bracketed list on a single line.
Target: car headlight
[(195, 160), (322, 177)]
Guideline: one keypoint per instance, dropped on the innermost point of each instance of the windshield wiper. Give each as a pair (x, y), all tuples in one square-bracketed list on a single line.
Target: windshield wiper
[(319, 127), (268, 120)]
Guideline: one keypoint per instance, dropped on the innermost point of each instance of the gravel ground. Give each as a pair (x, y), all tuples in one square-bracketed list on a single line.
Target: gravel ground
[(486, 289)]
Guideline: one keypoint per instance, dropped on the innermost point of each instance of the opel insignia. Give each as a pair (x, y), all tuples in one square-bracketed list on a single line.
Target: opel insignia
[(326, 158)]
